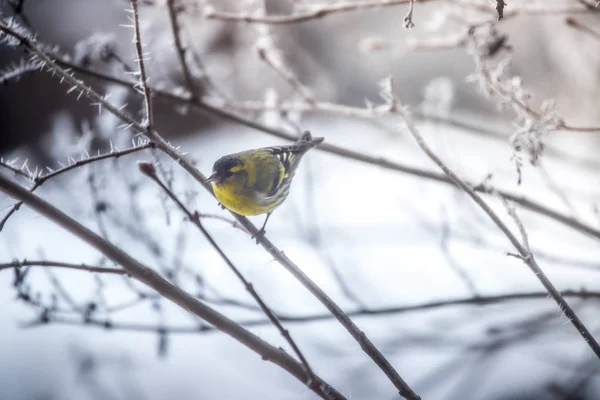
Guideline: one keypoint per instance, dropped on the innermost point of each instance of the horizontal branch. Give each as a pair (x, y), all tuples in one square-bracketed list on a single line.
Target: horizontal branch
[(203, 106), (60, 264), (316, 12), (321, 11), (376, 312)]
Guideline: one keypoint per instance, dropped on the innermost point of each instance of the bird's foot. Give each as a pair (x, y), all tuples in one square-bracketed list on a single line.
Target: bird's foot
[(221, 205), (259, 235)]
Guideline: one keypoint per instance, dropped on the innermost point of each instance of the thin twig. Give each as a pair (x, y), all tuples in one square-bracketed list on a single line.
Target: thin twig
[(148, 170), (573, 23), (408, 22), (522, 250), (17, 171), (286, 75), (189, 80), (143, 83), (477, 301), (60, 264), (327, 147), (40, 179), (147, 276), (316, 12)]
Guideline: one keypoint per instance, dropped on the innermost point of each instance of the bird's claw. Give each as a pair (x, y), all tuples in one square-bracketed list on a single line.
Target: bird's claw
[(258, 235), (221, 205)]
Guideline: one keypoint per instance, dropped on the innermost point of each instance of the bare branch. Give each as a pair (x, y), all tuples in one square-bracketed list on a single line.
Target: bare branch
[(60, 264), (38, 180), (478, 301), (143, 83), (286, 75), (523, 252), (316, 12), (147, 276), (189, 80), (575, 24), (148, 170), (500, 4), (203, 106)]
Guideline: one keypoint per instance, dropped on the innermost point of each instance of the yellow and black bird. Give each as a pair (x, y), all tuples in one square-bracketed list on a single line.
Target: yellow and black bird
[(257, 181)]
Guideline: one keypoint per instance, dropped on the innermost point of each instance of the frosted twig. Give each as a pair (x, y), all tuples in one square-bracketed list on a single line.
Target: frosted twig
[(148, 114), (520, 247), (39, 179)]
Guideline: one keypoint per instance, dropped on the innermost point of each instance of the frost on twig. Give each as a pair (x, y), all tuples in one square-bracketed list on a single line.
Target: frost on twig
[(495, 81)]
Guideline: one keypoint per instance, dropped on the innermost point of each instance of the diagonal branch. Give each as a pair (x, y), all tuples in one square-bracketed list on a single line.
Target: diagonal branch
[(60, 264), (40, 179), (187, 75), (524, 252), (147, 276), (148, 170), (360, 337)]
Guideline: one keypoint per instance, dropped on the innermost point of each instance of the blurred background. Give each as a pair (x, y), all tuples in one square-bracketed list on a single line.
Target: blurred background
[(509, 104)]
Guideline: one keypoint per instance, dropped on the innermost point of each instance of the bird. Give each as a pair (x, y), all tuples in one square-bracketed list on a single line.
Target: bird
[(257, 181)]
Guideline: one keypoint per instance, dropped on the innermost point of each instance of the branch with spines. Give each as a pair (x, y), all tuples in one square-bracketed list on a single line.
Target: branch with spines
[(359, 336), (148, 122), (371, 112), (38, 177)]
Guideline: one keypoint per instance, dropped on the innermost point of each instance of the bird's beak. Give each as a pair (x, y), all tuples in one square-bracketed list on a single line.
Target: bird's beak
[(214, 177)]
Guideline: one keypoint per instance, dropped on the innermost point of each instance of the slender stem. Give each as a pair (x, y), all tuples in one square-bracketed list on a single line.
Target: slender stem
[(354, 155), (316, 12), (166, 289), (187, 75), (480, 301), (39, 180), (60, 264), (524, 253), (143, 83), (148, 170)]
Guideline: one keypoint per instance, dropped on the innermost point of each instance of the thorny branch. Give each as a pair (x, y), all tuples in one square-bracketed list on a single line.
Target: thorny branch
[(338, 109), (360, 337), (39, 178), (143, 84)]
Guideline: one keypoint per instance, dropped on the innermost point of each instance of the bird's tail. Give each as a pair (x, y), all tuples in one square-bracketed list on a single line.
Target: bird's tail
[(307, 142)]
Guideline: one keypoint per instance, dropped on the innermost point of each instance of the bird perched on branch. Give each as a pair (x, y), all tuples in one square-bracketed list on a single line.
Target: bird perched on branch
[(257, 181)]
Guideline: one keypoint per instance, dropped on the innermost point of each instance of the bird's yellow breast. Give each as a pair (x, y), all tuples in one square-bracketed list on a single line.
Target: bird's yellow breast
[(238, 201)]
